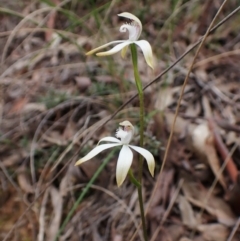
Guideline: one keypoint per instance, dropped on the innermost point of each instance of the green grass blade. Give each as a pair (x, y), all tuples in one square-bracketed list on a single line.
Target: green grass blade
[(84, 192)]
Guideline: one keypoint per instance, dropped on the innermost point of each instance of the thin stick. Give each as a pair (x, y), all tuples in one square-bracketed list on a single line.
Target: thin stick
[(234, 230), (42, 213), (231, 166)]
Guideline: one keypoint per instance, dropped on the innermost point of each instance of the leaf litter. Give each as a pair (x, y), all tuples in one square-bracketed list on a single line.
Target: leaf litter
[(54, 101)]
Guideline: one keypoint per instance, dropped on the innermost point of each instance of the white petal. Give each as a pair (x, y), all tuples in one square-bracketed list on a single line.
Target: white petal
[(115, 49), (110, 138), (147, 51), (123, 164), (148, 156), (103, 46), (94, 152), (132, 17)]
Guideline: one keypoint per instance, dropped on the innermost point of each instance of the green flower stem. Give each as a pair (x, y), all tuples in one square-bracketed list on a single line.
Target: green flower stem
[(84, 192), (133, 179), (141, 105)]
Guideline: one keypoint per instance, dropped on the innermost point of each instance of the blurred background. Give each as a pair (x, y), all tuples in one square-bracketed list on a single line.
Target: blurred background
[(55, 100)]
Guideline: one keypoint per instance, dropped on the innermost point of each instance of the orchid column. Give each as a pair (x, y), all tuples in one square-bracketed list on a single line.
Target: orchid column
[(134, 29)]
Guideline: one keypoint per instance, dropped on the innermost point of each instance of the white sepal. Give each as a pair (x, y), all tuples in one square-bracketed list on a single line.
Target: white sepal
[(95, 151), (104, 46), (147, 51), (148, 156), (110, 139), (115, 49)]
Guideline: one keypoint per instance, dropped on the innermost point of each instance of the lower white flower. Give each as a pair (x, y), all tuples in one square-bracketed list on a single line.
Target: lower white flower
[(125, 134)]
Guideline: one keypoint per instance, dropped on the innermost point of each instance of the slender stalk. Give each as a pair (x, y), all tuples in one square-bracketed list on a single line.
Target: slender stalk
[(140, 199), (141, 106), (141, 103), (133, 179)]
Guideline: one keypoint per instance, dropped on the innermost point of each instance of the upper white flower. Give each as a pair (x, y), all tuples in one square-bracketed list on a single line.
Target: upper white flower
[(134, 29), (125, 134)]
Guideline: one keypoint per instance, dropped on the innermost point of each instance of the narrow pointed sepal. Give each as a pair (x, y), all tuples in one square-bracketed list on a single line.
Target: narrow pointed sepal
[(103, 46), (94, 152), (147, 155), (115, 49), (147, 51), (110, 139)]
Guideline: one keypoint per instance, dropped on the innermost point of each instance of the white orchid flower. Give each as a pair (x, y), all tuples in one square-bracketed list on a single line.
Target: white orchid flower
[(134, 29), (125, 134)]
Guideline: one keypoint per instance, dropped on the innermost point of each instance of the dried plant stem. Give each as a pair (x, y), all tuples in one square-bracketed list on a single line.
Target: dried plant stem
[(141, 106), (231, 166)]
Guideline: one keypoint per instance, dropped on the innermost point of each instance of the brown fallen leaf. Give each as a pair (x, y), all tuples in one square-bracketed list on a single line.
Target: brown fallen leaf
[(233, 196), (105, 79), (193, 109), (182, 126), (69, 131), (24, 180), (83, 82), (206, 107), (56, 138), (57, 204), (163, 188), (51, 22), (13, 159), (203, 144), (185, 239), (117, 237), (187, 214), (175, 231), (89, 168), (18, 105), (29, 107), (214, 205), (164, 98), (68, 179), (213, 232)]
